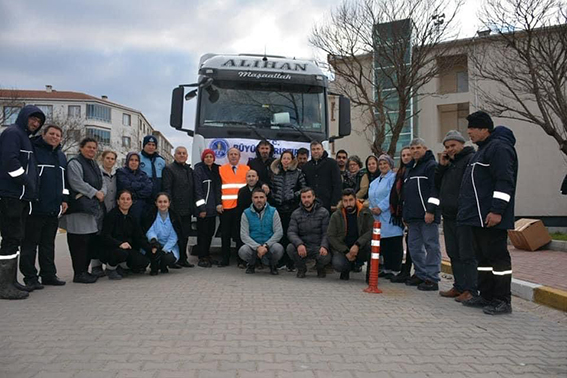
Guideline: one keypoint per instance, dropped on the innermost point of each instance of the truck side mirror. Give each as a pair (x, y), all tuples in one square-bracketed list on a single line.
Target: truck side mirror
[(176, 116), (344, 116)]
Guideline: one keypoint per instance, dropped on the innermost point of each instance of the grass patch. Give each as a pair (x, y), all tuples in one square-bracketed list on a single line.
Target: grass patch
[(559, 236)]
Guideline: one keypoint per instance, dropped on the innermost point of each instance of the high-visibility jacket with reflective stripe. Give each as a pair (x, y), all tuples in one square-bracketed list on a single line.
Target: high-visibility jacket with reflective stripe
[(231, 183)]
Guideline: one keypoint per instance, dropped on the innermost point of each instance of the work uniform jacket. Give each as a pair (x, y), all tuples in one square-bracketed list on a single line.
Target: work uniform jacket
[(420, 193), (207, 188)]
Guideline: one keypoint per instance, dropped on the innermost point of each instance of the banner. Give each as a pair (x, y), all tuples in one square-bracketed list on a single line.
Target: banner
[(247, 148)]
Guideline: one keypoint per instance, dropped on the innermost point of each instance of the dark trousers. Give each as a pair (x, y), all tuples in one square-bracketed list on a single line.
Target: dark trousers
[(406, 266), (494, 263), (342, 265), (13, 215), (81, 247), (184, 238), (392, 249), (459, 246), (132, 257), (160, 259), (205, 233), (39, 236), (312, 254), (230, 229), (286, 259)]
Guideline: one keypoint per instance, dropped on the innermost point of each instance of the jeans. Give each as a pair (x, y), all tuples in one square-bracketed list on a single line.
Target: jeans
[(459, 245), (427, 262), (271, 258), (312, 254), (342, 264)]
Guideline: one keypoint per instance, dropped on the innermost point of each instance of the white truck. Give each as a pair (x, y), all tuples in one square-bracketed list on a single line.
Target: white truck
[(244, 98)]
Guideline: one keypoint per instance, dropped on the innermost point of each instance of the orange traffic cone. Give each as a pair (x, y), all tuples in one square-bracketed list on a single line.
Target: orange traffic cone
[(374, 260)]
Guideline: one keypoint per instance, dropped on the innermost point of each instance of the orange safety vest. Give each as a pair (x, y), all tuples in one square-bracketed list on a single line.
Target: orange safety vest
[(231, 183)]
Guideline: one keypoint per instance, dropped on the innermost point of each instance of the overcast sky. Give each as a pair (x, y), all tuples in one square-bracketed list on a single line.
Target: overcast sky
[(136, 52)]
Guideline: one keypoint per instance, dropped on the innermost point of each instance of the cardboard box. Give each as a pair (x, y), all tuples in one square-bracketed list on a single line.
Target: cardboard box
[(529, 234)]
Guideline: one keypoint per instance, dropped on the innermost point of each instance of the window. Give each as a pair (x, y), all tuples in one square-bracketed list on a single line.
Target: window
[(452, 117), (126, 142), (101, 135), (74, 111), (47, 110), (98, 112), (10, 114), (462, 81), (126, 119)]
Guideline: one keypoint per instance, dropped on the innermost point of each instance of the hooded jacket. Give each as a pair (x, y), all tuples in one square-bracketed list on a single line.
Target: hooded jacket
[(489, 182), (338, 228), (286, 185), (448, 180), (207, 188), (18, 172), (324, 176), (52, 191), (136, 181), (309, 228), (420, 193), (262, 167), (177, 181)]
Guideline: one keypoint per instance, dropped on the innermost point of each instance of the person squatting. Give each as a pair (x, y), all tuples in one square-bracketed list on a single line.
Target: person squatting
[(287, 212)]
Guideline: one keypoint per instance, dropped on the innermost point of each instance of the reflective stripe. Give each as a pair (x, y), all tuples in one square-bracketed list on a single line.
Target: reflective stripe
[(201, 202), (232, 186), (18, 172), (434, 201), (66, 191), (375, 256), (375, 243), (10, 257), (502, 273), (501, 195), (230, 197), (376, 231), (484, 269)]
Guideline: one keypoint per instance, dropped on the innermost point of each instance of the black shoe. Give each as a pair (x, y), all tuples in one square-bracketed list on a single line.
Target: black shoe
[(414, 281), (290, 268), (478, 302), (250, 269), (126, 272), (154, 272), (223, 263), (113, 274), (165, 270), (204, 263), (34, 285), (400, 278), (301, 273), (357, 268), (52, 281), (97, 271), (21, 287), (498, 308), (345, 276), (85, 278), (186, 264), (242, 265), (321, 273), (428, 286), (174, 266), (274, 270)]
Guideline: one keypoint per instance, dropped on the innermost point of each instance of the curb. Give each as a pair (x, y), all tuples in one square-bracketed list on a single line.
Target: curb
[(547, 296)]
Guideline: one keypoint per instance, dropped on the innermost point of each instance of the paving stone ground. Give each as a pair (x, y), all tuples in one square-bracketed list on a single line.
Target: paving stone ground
[(219, 322)]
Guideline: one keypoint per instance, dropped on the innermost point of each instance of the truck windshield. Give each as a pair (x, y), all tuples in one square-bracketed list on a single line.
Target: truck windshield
[(263, 105)]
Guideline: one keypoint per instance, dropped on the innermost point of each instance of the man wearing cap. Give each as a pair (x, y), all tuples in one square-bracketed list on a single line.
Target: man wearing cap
[(152, 164), (178, 183), (233, 177), (486, 203), (421, 213), (458, 239), (18, 187)]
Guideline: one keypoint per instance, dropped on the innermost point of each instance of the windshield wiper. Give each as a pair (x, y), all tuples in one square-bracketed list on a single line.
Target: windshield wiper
[(249, 125), (288, 124)]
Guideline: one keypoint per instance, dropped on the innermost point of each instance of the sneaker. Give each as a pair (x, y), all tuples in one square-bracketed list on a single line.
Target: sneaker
[(414, 281), (112, 274), (464, 297), (498, 308), (250, 269), (428, 286), (290, 269), (453, 293), (301, 273), (97, 271), (478, 302), (85, 278), (345, 276)]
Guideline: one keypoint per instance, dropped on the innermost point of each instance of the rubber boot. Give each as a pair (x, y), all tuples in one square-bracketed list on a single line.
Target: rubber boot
[(8, 270)]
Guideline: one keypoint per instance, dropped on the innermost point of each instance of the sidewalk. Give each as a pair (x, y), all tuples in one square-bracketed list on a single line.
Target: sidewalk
[(536, 274)]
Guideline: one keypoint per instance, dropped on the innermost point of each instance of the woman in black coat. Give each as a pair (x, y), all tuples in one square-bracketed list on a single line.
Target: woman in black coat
[(132, 178)]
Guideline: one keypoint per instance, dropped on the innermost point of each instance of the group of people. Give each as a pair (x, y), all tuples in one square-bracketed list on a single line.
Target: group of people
[(280, 212)]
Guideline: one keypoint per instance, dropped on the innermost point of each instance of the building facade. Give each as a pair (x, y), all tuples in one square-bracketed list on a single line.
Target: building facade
[(115, 126)]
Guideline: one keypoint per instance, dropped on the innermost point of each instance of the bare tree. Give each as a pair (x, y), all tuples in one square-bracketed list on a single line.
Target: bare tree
[(10, 105), (383, 52), (528, 60), (73, 130)]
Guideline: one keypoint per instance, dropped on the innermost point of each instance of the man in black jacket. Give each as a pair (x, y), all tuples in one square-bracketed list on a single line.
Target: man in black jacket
[(42, 224), (307, 234), (458, 239), (486, 202), (323, 175), (177, 181), (18, 187), (261, 163)]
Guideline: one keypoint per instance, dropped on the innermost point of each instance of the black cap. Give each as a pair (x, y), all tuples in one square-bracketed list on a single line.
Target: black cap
[(480, 120)]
